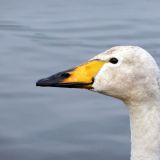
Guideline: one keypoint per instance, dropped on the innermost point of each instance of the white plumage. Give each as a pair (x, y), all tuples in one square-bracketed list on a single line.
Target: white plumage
[(136, 81), (133, 77)]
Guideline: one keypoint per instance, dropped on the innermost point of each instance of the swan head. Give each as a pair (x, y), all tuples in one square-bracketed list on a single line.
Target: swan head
[(128, 73)]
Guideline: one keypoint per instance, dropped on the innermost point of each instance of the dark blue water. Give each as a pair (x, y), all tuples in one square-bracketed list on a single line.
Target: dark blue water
[(39, 38)]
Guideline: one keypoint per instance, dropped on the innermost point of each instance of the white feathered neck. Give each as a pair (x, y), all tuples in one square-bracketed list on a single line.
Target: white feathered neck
[(145, 130)]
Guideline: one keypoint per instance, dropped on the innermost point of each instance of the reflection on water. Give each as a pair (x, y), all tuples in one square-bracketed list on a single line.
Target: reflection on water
[(39, 38)]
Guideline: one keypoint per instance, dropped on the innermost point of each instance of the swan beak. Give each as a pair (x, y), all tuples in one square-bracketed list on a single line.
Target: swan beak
[(81, 76)]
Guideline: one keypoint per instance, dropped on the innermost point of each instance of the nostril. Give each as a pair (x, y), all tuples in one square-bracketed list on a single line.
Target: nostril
[(65, 75)]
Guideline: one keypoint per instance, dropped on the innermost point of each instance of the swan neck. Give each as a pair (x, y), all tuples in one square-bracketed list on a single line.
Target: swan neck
[(145, 130)]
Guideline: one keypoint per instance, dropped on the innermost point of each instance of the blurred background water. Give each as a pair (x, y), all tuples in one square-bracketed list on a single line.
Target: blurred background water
[(41, 37)]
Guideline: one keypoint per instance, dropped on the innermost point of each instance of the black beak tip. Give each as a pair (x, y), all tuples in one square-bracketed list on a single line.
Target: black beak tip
[(42, 82), (37, 83)]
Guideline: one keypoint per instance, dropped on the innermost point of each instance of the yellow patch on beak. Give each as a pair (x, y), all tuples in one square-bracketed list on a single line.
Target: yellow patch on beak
[(84, 73)]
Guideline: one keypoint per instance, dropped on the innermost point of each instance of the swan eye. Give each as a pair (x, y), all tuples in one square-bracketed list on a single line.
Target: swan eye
[(113, 60)]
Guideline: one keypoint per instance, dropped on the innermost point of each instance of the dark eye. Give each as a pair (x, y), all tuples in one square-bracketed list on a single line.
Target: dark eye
[(113, 60)]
